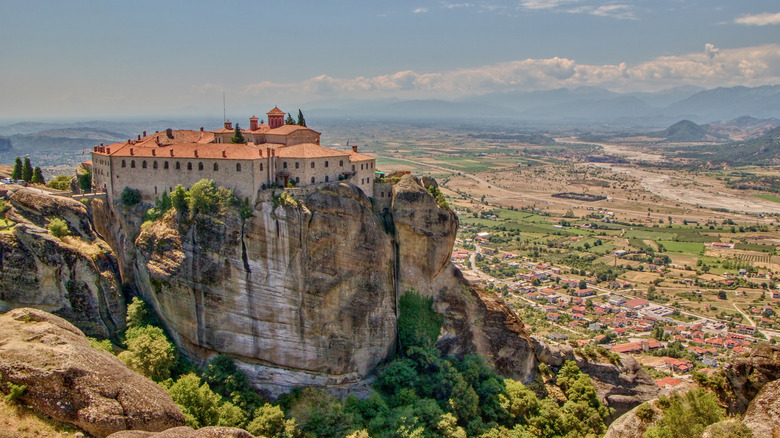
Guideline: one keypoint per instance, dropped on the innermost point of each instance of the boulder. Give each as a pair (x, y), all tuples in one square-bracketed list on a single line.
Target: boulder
[(186, 432), (73, 383), (747, 375)]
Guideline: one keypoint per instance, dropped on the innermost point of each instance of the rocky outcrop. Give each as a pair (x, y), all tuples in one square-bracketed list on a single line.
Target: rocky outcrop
[(629, 425), (763, 413), (186, 432), (73, 383), (305, 292), (75, 277), (747, 375)]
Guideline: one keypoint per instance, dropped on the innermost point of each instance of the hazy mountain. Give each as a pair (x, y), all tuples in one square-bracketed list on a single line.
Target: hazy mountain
[(729, 103), (687, 131), (5, 144), (761, 151)]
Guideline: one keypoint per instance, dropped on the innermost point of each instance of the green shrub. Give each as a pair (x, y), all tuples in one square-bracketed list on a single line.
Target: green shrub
[(687, 416), (130, 197), (15, 392), (104, 345), (58, 227), (645, 413), (269, 421), (85, 181), (59, 182), (418, 324)]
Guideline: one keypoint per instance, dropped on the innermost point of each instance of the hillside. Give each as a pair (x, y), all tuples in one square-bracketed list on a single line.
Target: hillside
[(684, 131), (760, 151)]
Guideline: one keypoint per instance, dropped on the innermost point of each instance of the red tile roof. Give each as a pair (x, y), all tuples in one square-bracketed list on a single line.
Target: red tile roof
[(309, 150), (275, 111)]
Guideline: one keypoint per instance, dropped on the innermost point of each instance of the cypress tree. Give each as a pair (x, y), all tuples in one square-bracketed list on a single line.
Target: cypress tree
[(301, 120), (237, 137), (27, 170), (17, 173), (37, 177), (289, 120)]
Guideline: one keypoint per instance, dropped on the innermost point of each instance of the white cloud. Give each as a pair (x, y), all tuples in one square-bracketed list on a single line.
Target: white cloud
[(546, 4), (420, 10), (712, 67), (759, 19)]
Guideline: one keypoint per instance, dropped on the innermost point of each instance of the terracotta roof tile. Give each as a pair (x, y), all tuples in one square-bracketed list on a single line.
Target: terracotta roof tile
[(308, 150), (276, 110), (187, 150), (357, 156), (288, 129)]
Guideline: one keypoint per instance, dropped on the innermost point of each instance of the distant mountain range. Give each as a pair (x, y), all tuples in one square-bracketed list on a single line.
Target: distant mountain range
[(582, 106), (763, 150)]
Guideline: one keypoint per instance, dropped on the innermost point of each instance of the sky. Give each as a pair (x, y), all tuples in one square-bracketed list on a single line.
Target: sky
[(108, 58)]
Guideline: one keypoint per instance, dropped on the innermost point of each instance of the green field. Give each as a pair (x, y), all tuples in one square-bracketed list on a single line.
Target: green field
[(773, 198), (684, 247)]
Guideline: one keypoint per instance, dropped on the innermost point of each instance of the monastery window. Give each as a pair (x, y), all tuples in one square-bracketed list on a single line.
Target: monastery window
[(326, 164), (178, 165), (297, 165), (326, 178), (312, 164), (200, 166), (297, 179), (361, 166), (154, 165), (341, 163), (312, 180), (189, 166), (155, 190), (216, 167), (123, 163), (132, 164), (353, 167), (238, 167), (165, 164), (261, 166), (284, 165), (144, 164)]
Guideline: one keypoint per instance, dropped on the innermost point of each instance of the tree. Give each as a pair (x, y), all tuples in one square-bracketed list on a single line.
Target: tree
[(238, 137), (58, 227), (130, 197), (687, 416), (27, 170), (301, 120), (199, 404), (269, 421), (722, 295), (289, 120), (85, 181), (149, 352), (37, 177), (17, 172), (179, 199)]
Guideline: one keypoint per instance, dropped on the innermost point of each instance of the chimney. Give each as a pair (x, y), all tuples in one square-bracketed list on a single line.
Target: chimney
[(131, 151), (354, 148), (171, 152), (228, 124), (252, 123), (144, 133), (101, 144), (201, 129), (108, 151), (196, 153), (154, 152), (139, 136), (224, 154), (169, 132)]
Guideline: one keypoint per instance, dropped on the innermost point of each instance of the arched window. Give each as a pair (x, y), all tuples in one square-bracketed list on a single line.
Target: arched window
[(178, 166), (326, 164), (165, 164), (297, 165), (312, 164), (326, 178), (216, 167), (261, 166), (154, 165), (312, 180), (189, 166), (341, 163), (123, 163), (297, 179), (361, 166), (132, 164), (200, 166), (238, 167), (144, 164)]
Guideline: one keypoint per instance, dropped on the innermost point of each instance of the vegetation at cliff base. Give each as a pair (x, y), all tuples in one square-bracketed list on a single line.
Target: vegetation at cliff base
[(686, 416), (58, 227)]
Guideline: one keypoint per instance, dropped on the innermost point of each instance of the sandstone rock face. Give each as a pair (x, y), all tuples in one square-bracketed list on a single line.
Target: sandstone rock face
[(629, 425), (186, 432), (747, 375), (71, 382), (763, 413), (75, 277)]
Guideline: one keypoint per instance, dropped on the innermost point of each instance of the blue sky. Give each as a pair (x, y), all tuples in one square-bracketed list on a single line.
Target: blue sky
[(108, 58)]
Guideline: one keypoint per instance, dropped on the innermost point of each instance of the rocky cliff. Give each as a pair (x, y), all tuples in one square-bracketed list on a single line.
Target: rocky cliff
[(75, 277), (305, 292)]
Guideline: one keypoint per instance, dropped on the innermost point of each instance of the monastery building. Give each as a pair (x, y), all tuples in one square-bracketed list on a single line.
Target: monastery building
[(274, 154)]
